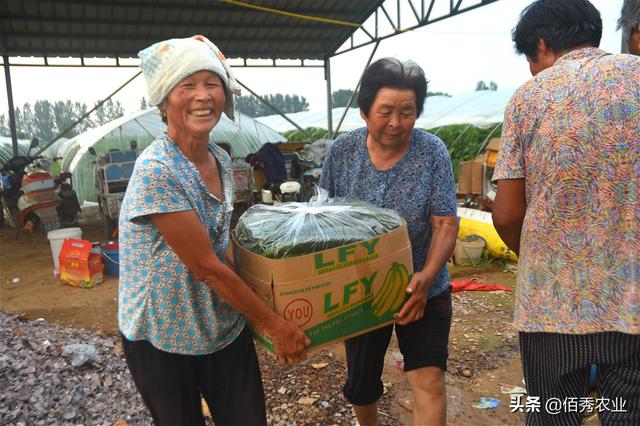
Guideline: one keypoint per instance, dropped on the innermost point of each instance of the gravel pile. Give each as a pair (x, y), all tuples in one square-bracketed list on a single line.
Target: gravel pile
[(43, 385), (310, 393)]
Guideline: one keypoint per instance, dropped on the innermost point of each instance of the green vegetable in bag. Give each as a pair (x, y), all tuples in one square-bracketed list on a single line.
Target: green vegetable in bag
[(295, 229)]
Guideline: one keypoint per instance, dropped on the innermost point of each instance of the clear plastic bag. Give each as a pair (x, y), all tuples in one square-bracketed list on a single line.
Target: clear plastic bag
[(80, 353), (295, 229)]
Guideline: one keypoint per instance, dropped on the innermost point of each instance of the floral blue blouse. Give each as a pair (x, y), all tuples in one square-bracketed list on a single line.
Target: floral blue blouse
[(160, 300), (418, 186)]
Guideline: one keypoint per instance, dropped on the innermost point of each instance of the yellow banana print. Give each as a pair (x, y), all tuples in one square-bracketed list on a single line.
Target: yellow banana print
[(387, 287), (393, 289), (404, 280)]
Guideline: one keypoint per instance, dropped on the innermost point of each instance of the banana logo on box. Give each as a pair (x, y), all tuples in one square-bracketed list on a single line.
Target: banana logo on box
[(392, 294)]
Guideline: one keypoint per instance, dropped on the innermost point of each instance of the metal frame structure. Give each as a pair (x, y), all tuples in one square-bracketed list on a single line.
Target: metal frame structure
[(376, 20), (422, 13)]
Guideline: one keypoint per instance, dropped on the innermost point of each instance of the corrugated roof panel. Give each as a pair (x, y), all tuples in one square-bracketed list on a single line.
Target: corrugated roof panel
[(60, 10), (139, 23)]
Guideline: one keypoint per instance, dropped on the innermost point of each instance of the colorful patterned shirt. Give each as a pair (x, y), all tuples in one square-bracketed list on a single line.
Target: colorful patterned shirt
[(573, 133), (160, 300), (418, 186)]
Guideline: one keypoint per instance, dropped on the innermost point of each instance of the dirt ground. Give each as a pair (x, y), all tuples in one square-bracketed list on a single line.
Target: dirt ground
[(483, 344)]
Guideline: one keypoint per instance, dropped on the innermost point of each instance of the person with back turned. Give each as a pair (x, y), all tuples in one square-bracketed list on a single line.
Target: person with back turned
[(568, 203)]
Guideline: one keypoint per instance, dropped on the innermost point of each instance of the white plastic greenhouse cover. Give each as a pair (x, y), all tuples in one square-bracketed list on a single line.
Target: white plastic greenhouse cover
[(245, 136), (6, 148), (480, 108)]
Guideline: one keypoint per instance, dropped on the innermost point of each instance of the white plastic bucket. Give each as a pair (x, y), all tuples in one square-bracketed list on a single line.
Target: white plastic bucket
[(56, 239), (267, 197), (468, 251)]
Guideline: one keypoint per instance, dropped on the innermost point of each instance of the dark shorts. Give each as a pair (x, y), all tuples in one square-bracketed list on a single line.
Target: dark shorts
[(171, 385), (423, 343), (557, 369)]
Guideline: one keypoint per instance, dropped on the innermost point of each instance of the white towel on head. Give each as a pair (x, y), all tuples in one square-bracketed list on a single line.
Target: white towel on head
[(167, 63)]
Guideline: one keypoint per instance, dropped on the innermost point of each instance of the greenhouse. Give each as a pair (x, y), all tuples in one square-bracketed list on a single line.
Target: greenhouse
[(245, 135), (480, 108)]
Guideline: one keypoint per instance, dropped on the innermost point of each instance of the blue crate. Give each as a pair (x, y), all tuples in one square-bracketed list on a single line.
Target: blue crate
[(122, 156)]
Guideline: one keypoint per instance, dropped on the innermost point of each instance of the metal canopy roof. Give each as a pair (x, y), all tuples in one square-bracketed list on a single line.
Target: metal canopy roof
[(121, 28), (247, 29)]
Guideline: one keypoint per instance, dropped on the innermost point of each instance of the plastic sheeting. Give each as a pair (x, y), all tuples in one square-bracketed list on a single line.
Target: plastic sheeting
[(6, 149), (294, 229), (480, 108), (245, 135)]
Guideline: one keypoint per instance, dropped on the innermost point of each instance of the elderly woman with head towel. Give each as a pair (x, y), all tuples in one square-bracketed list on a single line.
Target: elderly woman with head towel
[(182, 310)]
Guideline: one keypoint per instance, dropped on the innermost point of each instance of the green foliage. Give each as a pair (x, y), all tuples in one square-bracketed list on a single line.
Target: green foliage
[(298, 136), (107, 112), (46, 120), (341, 97), (481, 85), (438, 94), (4, 126), (464, 141), (254, 107)]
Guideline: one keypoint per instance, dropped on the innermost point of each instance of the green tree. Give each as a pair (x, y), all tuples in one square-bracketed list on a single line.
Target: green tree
[(339, 98), (4, 127), (438, 94), (253, 107), (66, 113), (78, 110), (481, 85), (64, 116), (44, 120), (247, 105), (25, 122), (107, 112), (144, 104)]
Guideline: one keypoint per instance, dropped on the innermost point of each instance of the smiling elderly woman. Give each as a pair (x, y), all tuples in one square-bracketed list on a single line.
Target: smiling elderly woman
[(181, 309), (392, 165)]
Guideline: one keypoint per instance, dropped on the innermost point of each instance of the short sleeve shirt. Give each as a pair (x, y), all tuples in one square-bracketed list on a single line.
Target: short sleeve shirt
[(573, 133), (418, 186), (160, 300)]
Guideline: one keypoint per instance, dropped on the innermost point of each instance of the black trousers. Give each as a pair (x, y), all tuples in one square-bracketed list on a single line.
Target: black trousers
[(423, 343), (556, 370), (171, 385)]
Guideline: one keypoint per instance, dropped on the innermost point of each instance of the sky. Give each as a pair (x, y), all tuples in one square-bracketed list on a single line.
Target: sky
[(455, 54)]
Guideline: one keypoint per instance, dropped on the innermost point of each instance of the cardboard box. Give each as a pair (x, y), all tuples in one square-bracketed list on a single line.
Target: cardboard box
[(494, 145), (80, 266), (336, 293), (470, 177), (492, 152)]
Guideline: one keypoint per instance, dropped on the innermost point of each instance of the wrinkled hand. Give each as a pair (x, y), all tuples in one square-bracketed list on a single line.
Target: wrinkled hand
[(413, 308), (290, 343)]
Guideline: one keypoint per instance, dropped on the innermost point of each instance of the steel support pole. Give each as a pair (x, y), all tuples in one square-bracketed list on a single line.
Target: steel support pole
[(12, 113), (353, 95), (267, 103), (86, 114), (327, 77)]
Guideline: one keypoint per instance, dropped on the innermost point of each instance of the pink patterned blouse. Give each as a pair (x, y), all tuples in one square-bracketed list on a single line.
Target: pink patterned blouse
[(573, 133)]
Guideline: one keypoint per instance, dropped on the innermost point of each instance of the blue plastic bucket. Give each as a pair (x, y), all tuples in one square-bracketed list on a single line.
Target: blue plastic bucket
[(111, 257)]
